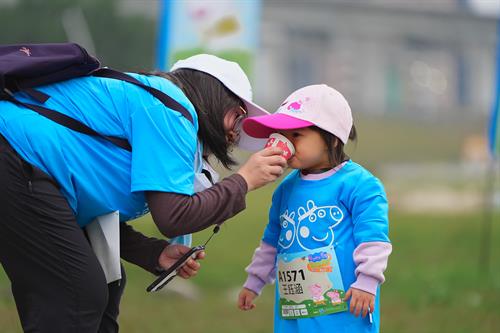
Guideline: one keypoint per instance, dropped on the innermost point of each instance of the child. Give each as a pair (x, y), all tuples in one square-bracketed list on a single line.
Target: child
[(327, 237)]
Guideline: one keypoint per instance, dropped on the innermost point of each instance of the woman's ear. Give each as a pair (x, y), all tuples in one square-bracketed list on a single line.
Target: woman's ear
[(335, 143)]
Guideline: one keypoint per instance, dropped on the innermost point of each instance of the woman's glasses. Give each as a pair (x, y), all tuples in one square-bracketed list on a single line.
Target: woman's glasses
[(242, 114), (236, 128)]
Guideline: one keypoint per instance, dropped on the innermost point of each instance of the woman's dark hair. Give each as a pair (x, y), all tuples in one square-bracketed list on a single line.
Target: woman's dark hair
[(336, 154), (212, 100)]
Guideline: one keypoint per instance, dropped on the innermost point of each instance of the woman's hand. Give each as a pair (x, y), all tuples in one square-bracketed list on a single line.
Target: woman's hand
[(361, 301), (263, 167), (171, 253), (245, 299)]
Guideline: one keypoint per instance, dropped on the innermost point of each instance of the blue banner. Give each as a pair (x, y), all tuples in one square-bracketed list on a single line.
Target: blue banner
[(493, 136)]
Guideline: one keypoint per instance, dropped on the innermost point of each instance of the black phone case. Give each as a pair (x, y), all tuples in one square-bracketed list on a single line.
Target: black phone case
[(165, 277)]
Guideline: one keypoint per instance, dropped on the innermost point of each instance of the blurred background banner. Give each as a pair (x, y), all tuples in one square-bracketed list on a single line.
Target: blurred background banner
[(227, 28), (493, 137)]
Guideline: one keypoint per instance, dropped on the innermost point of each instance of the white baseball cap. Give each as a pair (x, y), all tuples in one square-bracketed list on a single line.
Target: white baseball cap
[(316, 105), (233, 78)]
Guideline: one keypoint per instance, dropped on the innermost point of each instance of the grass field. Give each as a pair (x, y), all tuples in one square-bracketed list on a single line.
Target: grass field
[(433, 284)]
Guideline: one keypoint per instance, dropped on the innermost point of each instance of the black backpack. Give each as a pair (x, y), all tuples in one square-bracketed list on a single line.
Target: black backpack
[(24, 67)]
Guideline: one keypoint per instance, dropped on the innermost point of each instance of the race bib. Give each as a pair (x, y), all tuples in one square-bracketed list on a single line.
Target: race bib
[(310, 284)]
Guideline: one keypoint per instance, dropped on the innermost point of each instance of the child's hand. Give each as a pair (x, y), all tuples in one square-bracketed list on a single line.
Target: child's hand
[(245, 299), (361, 301)]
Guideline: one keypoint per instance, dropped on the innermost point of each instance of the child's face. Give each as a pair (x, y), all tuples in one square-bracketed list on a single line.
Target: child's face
[(310, 150)]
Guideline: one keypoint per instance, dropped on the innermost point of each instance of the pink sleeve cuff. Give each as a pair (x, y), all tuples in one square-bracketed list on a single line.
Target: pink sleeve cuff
[(254, 284), (366, 283), (262, 269), (371, 261)]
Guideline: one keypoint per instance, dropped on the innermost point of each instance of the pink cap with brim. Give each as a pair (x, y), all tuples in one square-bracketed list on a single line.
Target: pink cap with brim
[(263, 126), (316, 105)]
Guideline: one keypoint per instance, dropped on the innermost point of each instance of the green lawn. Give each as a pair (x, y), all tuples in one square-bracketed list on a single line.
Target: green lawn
[(432, 284)]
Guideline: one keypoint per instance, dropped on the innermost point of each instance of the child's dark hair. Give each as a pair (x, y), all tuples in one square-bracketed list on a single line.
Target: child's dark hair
[(335, 147)]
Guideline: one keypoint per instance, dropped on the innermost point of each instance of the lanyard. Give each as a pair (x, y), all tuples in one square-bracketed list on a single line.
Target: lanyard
[(215, 231)]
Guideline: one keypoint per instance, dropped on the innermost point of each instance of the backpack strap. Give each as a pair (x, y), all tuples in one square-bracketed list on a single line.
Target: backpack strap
[(67, 121), (78, 126), (164, 98)]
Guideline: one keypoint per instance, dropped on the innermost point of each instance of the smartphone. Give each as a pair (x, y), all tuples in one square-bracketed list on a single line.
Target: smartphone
[(171, 272)]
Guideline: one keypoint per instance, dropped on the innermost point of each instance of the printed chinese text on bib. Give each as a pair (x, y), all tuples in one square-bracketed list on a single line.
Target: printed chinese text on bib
[(310, 284)]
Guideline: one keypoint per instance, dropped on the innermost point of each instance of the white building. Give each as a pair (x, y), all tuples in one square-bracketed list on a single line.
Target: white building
[(423, 57)]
